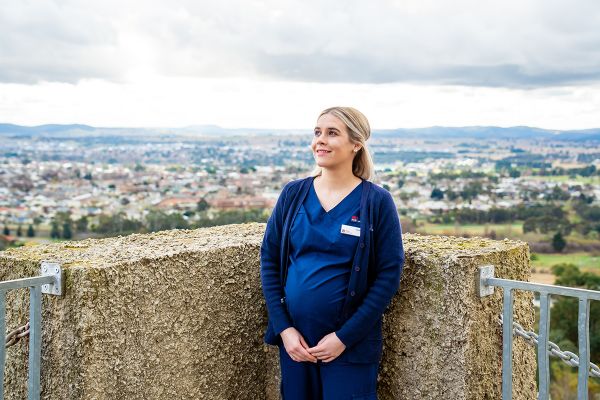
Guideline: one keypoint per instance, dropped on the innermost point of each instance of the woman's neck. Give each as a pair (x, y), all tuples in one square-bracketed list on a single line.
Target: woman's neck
[(338, 179)]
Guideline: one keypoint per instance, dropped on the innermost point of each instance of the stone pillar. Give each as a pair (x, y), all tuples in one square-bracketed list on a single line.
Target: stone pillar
[(441, 340), (180, 314)]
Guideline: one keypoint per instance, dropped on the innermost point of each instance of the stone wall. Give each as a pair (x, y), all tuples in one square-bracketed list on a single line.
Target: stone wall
[(180, 314)]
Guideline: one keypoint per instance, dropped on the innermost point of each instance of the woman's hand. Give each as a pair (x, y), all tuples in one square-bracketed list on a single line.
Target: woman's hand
[(328, 348), (295, 345)]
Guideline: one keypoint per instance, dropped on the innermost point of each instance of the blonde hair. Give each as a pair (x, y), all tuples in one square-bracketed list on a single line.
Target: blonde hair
[(359, 131)]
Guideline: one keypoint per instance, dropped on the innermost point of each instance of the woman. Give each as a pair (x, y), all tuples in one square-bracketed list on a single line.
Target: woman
[(331, 261)]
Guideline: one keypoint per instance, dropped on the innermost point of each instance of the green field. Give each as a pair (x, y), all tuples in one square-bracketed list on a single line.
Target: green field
[(585, 261), (502, 230), (510, 231)]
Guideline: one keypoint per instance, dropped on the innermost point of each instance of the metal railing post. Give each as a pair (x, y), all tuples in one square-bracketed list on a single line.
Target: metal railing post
[(542, 347), (507, 340), (35, 339), (583, 327)]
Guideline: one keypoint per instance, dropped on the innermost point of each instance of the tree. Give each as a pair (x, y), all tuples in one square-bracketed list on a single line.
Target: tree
[(82, 224), (558, 242), (563, 318), (19, 231), (529, 225), (514, 173), (30, 231), (67, 232), (160, 221), (202, 205), (500, 215), (451, 195), (437, 194), (589, 213), (6, 230), (237, 216), (116, 224), (471, 190), (558, 194), (54, 231)]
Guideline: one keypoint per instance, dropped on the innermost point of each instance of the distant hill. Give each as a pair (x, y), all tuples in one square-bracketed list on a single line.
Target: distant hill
[(492, 132), (51, 128), (79, 131), (434, 132)]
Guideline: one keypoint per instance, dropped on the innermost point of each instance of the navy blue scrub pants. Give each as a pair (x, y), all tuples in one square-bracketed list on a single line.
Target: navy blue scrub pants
[(335, 380)]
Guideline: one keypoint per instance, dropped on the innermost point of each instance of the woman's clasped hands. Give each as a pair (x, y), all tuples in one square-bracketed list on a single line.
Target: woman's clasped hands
[(327, 350)]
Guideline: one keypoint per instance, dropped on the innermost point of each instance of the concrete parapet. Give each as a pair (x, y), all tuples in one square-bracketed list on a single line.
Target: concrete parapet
[(180, 314), (441, 340)]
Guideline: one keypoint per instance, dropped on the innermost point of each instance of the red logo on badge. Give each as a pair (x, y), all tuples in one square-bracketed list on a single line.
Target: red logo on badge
[(355, 218)]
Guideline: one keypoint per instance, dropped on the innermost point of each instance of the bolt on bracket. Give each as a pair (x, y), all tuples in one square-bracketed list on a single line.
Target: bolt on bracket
[(485, 272), (49, 268)]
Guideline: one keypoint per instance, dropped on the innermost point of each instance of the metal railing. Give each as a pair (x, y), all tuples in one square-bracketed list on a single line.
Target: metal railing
[(50, 282), (487, 281)]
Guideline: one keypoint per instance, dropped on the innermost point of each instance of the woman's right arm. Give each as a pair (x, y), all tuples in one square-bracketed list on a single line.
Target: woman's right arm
[(270, 271)]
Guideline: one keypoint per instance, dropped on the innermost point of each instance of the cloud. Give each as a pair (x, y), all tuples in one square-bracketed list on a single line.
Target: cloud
[(537, 43), (247, 103), (44, 40)]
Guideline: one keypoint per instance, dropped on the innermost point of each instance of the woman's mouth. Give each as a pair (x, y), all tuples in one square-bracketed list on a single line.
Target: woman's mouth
[(323, 152)]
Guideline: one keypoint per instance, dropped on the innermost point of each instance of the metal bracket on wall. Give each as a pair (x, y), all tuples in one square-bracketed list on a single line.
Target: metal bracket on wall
[(485, 272), (53, 269)]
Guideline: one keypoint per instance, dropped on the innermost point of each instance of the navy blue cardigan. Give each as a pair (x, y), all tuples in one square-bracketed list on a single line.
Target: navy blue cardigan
[(374, 278)]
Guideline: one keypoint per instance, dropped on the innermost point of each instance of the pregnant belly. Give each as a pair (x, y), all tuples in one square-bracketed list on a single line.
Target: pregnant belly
[(315, 298)]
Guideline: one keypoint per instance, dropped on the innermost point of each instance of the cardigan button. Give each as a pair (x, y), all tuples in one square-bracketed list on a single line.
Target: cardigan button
[(357, 268), (352, 293), (362, 245)]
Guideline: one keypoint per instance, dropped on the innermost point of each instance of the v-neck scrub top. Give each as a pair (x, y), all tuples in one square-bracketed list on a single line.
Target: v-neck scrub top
[(320, 262), (374, 275)]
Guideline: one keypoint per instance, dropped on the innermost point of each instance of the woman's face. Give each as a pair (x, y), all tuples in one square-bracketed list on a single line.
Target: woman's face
[(331, 144)]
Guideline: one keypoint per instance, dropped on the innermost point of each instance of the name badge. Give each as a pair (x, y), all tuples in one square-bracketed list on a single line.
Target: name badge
[(350, 230)]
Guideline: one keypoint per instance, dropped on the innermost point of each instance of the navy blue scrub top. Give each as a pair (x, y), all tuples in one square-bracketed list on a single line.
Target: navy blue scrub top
[(320, 261)]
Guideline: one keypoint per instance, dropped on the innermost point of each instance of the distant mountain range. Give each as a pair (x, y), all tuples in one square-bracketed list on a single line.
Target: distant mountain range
[(434, 132), (494, 132), (79, 131)]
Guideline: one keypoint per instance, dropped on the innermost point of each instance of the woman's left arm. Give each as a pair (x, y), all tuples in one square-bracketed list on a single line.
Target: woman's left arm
[(389, 259)]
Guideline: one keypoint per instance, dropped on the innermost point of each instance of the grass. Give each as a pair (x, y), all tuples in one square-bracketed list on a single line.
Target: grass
[(510, 231), (514, 230), (585, 261)]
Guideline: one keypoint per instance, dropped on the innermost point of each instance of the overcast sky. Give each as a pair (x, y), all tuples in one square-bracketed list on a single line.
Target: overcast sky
[(277, 63)]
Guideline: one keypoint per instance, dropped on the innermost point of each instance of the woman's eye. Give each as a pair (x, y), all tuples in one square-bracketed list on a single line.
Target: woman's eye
[(332, 133), (317, 133)]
